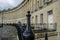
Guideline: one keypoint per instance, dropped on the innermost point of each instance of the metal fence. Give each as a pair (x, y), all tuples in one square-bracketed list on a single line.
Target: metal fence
[(42, 26)]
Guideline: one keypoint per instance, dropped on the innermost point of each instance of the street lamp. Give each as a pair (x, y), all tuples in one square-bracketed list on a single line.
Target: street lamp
[(0, 24), (3, 16)]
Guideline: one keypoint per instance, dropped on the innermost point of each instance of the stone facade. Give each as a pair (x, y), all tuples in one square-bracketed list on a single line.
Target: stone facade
[(48, 9)]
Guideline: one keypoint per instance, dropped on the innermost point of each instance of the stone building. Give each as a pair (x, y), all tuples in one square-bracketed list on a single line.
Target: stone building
[(42, 11)]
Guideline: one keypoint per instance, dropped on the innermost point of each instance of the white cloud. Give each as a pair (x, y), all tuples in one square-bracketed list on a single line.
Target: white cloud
[(11, 2), (5, 4)]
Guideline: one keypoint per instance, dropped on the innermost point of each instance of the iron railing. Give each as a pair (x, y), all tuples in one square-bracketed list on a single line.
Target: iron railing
[(39, 26), (43, 26)]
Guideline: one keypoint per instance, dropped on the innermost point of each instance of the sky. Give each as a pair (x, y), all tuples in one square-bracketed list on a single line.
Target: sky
[(5, 4)]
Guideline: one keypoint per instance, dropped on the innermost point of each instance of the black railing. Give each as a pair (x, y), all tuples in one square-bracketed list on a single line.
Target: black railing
[(42, 26)]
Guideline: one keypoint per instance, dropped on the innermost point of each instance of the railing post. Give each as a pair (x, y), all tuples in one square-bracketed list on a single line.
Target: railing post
[(46, 36), (28, 34)]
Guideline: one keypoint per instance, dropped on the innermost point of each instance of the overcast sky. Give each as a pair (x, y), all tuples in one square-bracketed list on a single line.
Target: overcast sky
[(5, 4)]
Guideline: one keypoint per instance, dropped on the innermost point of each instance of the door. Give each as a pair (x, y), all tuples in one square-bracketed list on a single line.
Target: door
[(50, 20)]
